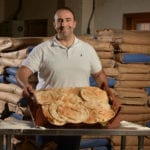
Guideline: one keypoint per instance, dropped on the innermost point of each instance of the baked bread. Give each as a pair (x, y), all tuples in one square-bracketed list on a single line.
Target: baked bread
[(88, 105)]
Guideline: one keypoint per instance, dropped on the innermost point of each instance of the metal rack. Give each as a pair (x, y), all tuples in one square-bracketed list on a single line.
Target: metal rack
[(123, 131)]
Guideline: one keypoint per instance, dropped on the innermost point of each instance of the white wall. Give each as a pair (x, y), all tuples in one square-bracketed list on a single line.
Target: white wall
[(82, 9), (86, 13), (76, 6), (109, 13)]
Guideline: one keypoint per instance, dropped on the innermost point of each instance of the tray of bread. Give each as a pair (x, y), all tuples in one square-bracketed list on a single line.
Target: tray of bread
[(80, 105)]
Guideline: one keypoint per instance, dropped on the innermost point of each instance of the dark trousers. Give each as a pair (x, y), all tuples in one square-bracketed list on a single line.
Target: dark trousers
[(63, 142)]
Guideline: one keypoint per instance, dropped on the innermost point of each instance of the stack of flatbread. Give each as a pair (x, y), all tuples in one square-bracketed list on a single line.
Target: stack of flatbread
[(87, 105)]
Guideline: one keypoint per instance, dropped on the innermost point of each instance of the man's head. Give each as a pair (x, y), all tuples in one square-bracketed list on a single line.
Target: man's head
[(64, 22)]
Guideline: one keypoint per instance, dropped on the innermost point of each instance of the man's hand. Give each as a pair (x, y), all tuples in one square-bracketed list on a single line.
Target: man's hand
[(22, 77), (28, 94), (115, 122), (28, 91), (116, 106)]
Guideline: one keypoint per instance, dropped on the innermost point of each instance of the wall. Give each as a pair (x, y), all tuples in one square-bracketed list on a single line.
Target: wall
[(76, 6), (109, 13), (86, 13), (2, 10)]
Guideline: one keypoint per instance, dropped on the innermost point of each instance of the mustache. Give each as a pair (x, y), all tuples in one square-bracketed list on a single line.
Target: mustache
[(61, 28)]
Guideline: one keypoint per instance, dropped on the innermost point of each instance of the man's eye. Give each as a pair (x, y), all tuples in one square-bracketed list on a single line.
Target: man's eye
[(59, 20), (68, 20)]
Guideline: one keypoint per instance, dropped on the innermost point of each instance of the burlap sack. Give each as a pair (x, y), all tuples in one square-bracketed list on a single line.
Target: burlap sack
[(98, 45), (2, 69), (133, 76), (131, 148), (134, 48), (108, 63), (105, 55), (133, 68), (11, 44), (11, 88), (11, 62), (133, 101), (19, 54), (135, 118), (130, 141), (129, 94), (135, 109), (10, 97), (112, 72), (132, 84)]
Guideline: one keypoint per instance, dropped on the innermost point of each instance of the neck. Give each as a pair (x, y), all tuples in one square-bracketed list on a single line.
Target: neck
[(66, 41)]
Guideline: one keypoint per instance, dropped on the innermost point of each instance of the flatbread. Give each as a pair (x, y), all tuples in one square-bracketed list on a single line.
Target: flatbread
[(87, 105), (100, 115), (53, 111), (72, 110), (48, 96), (50, 118), (75, 91), (94, 94), (44, 97)]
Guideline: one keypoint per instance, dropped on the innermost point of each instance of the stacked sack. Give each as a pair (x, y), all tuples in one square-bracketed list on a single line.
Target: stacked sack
[(132, 53), (12, 52), (133, 81)]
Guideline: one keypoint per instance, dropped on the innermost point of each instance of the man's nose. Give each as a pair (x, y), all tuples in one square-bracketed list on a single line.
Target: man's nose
[(63, 22)]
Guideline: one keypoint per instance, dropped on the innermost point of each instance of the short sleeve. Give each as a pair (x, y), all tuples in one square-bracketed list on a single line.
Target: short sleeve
[(33, 61), (96, 65)]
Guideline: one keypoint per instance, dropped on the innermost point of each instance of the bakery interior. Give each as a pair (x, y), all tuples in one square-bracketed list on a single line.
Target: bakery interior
[(119, 30)]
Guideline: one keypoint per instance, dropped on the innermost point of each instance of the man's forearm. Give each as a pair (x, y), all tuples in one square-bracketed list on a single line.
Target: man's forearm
[(102, 81), (23, 75)]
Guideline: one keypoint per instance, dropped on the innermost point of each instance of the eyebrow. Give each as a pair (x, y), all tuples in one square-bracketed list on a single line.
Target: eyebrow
[(64, 18)]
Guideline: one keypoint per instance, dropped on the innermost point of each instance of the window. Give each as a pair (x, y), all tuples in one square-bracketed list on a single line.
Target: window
[(136, 21)]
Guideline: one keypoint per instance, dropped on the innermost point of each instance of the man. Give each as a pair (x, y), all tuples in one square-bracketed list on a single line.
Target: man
[(63, 61)]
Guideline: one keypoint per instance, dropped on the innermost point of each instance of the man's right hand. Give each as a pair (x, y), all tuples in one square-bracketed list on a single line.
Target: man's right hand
[(28, 91)]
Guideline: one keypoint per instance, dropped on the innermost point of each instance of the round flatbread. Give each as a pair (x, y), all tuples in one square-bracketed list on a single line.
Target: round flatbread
[(94, 94), (50, 118), (100, 115), (72, 109), (67, 91), (53, 111)]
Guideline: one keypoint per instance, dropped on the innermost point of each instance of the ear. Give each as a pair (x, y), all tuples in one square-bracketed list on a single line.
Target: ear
[(54, 24), (75, 23)]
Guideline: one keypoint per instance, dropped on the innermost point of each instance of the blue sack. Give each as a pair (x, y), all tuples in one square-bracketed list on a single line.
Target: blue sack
[(1, 78), (11, 70), (11, 79), (111, 81), (103, 148), (92, 81), (94, 142), (147, 89), (136, 58)]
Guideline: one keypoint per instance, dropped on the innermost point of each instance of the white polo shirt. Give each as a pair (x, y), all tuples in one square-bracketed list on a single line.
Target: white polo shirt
[(59, 66)]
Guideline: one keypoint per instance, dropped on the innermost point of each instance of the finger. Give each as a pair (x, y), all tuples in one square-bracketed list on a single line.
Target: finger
[(26, 93)]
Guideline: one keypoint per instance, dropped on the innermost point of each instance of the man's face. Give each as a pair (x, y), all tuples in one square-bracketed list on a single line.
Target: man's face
[(64, 23)]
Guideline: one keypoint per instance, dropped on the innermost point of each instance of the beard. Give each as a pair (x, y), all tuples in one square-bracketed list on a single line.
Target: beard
[(64, 33)]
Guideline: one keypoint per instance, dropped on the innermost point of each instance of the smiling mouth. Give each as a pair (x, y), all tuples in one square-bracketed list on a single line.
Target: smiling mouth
[(63, 30)]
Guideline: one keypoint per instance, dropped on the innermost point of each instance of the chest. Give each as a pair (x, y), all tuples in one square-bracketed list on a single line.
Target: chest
[(58, 60)]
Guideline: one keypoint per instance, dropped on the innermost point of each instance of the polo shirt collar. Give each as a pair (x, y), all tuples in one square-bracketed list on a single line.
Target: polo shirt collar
[(55, 42)]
